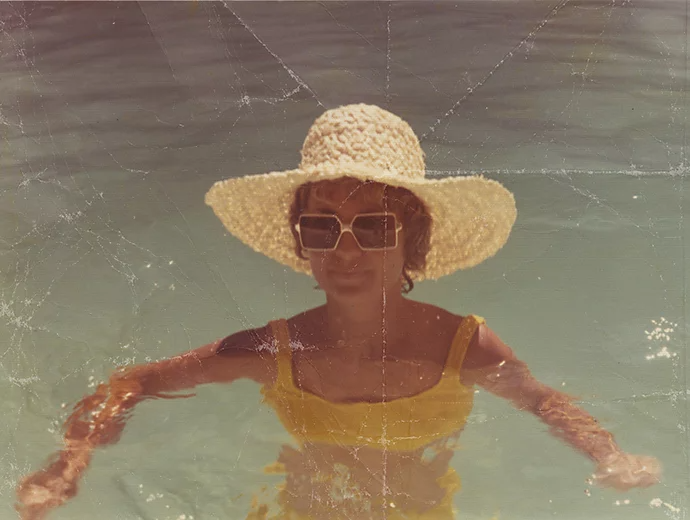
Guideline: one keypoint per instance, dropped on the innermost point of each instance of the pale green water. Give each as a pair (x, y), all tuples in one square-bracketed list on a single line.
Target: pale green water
[(109, 255)]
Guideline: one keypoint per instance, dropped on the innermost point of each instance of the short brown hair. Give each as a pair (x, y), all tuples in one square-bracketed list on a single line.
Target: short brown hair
[(416, 220)]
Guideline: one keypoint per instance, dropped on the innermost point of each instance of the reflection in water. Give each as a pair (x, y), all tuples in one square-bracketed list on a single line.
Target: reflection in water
[(381, 386)]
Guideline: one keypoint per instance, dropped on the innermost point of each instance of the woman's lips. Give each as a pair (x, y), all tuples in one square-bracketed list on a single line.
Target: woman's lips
[(347, 273)]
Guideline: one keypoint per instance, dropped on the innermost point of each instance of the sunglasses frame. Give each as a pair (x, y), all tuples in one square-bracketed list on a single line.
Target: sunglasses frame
[(348, 228)]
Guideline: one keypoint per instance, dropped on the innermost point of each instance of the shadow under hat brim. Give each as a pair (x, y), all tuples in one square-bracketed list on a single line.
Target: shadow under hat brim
[(472, 216)]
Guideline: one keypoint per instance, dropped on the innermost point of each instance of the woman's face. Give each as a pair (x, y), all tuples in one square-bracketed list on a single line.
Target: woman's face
[(348, 271)]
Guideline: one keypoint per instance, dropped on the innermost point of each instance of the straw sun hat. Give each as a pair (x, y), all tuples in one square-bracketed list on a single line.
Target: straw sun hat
[(472, 216)]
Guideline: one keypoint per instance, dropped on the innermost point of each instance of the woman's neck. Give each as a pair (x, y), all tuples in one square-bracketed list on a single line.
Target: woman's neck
[(371, 325)]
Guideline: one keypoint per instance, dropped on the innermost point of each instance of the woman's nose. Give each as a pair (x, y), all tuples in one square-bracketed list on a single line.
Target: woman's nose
[(348, 245)]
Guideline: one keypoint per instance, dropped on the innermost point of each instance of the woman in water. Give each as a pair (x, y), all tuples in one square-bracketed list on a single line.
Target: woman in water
[(374, 388)]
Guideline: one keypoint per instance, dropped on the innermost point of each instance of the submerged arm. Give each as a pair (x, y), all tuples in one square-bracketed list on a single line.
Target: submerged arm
[(99, 419), (493, 366)]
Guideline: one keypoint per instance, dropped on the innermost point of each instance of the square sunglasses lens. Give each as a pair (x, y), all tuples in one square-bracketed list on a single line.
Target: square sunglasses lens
[(375, 231), (319, 232)]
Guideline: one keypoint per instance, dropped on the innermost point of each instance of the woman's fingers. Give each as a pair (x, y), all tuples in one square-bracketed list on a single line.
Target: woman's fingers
[(629, 471)]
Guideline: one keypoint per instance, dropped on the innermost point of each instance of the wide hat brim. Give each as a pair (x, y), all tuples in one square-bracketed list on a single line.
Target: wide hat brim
[(472, 216)]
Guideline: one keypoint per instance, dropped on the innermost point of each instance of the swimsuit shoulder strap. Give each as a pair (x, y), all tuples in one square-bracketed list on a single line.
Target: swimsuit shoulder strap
[(468, 327), (281, 336)]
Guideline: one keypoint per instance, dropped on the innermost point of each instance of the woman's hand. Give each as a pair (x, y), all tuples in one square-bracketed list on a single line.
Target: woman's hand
[(97, 419), (42, 491), (623, 471), (52, 486)]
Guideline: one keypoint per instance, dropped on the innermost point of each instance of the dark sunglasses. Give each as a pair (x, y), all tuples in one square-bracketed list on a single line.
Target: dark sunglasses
[(372, 231)]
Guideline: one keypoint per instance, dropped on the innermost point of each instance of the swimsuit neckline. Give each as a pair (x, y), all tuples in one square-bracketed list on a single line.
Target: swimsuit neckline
[(444, 377)]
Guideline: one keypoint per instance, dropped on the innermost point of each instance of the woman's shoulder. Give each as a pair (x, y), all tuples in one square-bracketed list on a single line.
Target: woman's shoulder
[(262, 340), (435, 316), (251, 351), (248, 340), (243, 355)]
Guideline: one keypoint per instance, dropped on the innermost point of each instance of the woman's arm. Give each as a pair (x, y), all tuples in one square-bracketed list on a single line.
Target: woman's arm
[(492, 365), (99, 419), (242, 355)]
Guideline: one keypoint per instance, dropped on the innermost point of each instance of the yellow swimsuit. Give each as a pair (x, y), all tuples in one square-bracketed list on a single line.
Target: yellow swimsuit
[(402, 424)]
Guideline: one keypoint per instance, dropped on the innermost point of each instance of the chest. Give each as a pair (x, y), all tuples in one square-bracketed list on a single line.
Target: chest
[(346, 375)]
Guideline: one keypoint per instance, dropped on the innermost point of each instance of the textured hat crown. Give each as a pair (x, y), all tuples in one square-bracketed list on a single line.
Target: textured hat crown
[(362, 136)]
